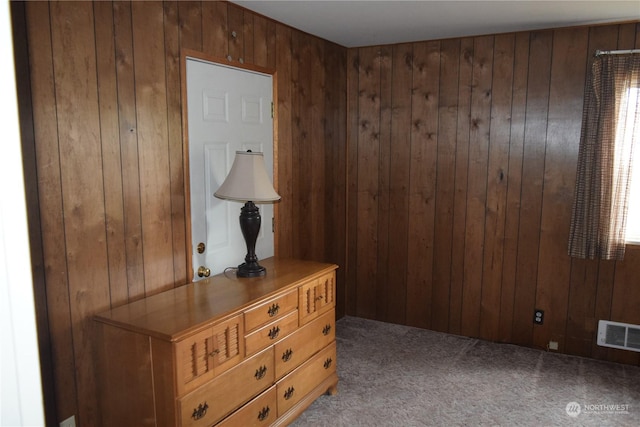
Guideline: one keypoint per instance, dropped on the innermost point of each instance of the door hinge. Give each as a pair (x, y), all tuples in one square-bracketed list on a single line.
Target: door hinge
[(273, 225), (272, 110)]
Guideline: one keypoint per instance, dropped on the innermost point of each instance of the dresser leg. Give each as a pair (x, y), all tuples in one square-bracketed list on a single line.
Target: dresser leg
[(333, 390)]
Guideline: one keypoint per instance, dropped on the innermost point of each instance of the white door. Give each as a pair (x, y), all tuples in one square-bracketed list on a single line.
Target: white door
[(229, 110)]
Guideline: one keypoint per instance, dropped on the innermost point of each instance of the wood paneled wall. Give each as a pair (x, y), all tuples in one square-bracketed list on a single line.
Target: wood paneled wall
[(107, 147), (461, 170)]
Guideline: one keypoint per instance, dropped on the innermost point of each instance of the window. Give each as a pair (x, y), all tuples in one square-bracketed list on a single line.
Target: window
[(627, 125), (606, 210)]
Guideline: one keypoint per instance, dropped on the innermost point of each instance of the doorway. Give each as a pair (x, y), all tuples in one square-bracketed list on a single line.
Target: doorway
[(229, 109)]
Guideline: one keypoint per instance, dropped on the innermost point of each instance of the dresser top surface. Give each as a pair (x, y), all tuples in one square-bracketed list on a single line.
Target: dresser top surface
[(180, 311)]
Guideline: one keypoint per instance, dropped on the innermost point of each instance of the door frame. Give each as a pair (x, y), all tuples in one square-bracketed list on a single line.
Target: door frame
[(188, 53)]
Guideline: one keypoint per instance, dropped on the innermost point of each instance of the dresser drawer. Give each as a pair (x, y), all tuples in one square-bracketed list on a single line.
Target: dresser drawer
[(303, 380), (316, 297), (270, 310), (208, 353), (304, 343), (216, 399), (261, 411), (269, 334)]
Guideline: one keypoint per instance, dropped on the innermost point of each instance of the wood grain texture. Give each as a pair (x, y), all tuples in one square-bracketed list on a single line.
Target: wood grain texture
[(174, 134), (382, 266), (129, 152), (532, 184), (82, 184), (479, 130), (353, 114), (445, 182), (284, 211), (422, 170), (395, 291), (505, 121), (463, 112), (497, 183), (563, 136), (514, 186)]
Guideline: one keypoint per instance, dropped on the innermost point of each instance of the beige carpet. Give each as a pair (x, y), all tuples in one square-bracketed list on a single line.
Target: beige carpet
[(394, 375)]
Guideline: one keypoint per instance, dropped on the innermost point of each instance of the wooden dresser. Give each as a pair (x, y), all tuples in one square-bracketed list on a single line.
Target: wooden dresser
[(222, 351)]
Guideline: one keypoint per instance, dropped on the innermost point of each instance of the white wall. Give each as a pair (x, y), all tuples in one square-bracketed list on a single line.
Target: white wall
[(21, 392)]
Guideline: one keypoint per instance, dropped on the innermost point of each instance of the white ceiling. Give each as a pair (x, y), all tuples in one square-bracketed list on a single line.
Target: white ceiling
[(353, 23)]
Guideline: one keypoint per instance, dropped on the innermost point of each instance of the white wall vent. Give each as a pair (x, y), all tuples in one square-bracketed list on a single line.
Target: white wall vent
[(619, 335)]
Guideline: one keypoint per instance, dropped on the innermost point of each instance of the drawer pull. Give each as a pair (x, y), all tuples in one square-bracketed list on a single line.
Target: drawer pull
[(273, 310), (327, 363), (261, 372), (289, 393), (263, 414), (214, 352), (286, 356), (319, 297), (274, 332), (200, 411), (326, 330)]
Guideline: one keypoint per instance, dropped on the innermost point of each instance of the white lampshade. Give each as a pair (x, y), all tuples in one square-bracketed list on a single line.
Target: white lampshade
[(248, 180)]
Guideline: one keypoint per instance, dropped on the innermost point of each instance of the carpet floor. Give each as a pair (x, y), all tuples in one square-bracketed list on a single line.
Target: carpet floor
[(392, 375)]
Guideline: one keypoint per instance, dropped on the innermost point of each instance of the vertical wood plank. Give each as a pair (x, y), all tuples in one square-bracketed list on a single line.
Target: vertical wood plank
[(445, 180), (532, 185), (304, 146), (50, 200), (296, 138), (422, 165), (190, 24), (514, 180), (399, 176), (479, 128), (83, 206), (153, 143), (272, 44), (368, 161), (129, 148), (174, 132), (110, 142), (497, 182), (284, 209), (316, 153), (353, 129), (335, 168), (248, 37), (461, 174), (235, 32), (215, 40), (261, 41), (384, 63), (561, 156)]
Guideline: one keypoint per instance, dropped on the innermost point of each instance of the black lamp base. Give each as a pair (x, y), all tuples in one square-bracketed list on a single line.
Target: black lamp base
[(252, 269), (250, 226)]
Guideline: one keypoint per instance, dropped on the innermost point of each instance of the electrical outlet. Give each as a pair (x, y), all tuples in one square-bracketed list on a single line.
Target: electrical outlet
[(69, 422), (538, 316), (553, 345)]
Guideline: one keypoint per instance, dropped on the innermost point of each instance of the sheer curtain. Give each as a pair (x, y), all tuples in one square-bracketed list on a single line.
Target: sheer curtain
[(610, 124)]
